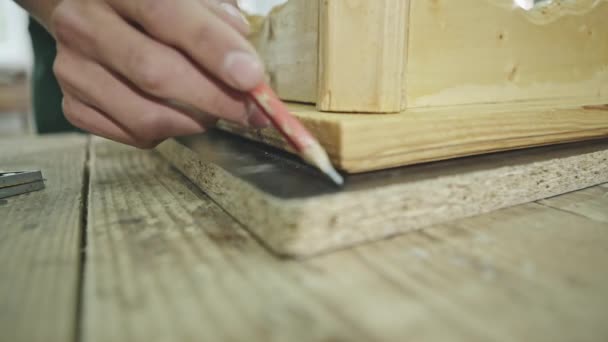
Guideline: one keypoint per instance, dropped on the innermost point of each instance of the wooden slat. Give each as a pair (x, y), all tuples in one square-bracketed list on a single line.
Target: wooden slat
[(359, 143), (362, 55), (165, 263), (591, 203), (287, 40), (39, 240)]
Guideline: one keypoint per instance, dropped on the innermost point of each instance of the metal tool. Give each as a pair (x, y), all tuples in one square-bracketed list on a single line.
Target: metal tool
[(20, 182)]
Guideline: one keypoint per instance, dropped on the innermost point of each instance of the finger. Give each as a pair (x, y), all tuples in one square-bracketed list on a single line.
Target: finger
[(92, 120), (229, 12), (201, 34), (234, 3), (153, 67), (145, 118)]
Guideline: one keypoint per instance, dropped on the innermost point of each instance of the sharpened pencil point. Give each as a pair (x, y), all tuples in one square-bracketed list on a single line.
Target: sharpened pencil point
[(293, 131), (335, 176), (316, 155)]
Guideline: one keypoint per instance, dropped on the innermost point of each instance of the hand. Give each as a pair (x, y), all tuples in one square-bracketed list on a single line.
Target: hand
[(132, 71)]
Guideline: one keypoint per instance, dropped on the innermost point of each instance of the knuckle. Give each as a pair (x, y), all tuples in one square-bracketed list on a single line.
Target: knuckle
[(147, 74), (59, 66), (222, 106), (218, 106), (64, 70), (71, 113), (64, 22), (203, 35), (152, 127), (154, 11), (66, 106)]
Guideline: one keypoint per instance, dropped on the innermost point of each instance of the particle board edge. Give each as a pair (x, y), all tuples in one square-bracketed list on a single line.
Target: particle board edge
[(426, 195)]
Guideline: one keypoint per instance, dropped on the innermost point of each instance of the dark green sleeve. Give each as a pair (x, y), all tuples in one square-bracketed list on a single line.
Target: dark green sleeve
[(46, 94)]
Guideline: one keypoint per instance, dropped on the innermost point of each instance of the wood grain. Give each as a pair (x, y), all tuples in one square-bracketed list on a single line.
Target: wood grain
[(362, 55), (165, 263), (359, 143), (39, 240), (523, 273), (287, 40), (488, 52), (377, 205), (391, 55)]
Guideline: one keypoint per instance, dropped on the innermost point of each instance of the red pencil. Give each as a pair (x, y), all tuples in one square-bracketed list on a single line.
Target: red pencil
[(293, 131)]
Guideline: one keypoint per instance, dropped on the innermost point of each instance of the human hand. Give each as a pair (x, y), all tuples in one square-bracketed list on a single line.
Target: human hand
[(131, 70)]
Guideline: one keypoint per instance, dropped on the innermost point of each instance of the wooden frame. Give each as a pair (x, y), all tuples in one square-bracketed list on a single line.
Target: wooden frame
[(392, 55), (464, 77)]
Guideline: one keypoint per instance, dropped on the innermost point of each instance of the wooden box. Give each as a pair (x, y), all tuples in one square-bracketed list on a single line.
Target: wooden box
[(459, 77), (392, 55)]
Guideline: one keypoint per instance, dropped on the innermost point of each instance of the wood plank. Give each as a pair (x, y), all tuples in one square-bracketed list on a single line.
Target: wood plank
[(39, 240), (591, 203), (523, 273), (287, 40), (267, 192), (362, 49), (166, 263), (488, 52), (359, 143)]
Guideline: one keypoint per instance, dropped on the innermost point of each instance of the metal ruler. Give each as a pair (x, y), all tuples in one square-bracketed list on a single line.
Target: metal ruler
[(20, 182)]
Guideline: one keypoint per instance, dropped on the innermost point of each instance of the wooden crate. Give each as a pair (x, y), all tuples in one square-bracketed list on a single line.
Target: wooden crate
[(463, 77), (392, 55)]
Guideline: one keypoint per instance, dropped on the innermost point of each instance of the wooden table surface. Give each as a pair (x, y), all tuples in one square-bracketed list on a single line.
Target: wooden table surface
[(121, 247)]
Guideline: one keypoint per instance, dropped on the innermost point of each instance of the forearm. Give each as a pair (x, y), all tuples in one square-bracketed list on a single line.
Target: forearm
[(40, 9)]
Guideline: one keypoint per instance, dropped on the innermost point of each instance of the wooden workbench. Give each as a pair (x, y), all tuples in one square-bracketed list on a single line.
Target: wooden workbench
[(121, 247)]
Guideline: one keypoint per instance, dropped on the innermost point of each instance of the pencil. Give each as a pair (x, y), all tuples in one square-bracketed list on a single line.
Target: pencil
[(305, 144)]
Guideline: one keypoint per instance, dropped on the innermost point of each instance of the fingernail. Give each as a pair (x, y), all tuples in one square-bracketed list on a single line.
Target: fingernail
[(233, 11), (255, 117), (243, 69)]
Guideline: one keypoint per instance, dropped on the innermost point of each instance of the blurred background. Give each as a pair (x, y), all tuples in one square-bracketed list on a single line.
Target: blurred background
[(15, 68)]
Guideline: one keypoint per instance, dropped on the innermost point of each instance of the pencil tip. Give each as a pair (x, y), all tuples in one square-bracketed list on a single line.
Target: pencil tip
[(335, 176), (316, 155)]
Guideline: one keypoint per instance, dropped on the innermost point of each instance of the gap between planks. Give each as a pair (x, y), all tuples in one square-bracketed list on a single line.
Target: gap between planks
[(86, 184)]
